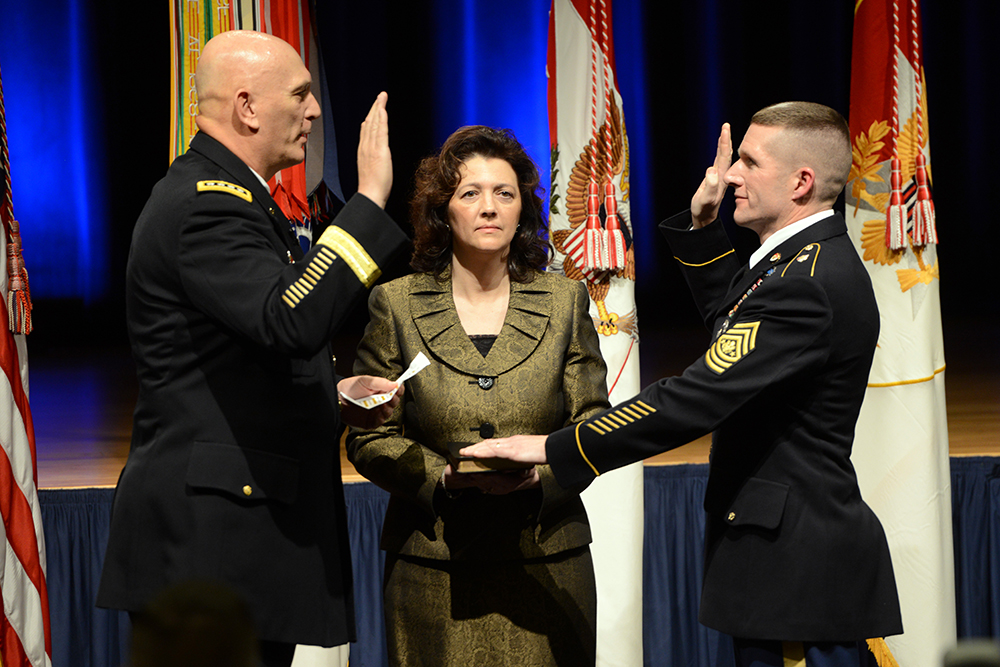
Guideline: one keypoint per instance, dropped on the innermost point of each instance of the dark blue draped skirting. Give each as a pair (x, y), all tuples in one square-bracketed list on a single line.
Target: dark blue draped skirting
[(76, 530)]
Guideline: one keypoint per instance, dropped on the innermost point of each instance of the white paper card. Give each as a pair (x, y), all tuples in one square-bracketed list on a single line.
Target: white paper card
[(419, 363)]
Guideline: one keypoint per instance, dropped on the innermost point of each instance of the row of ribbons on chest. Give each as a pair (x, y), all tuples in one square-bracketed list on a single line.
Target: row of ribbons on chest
[(732, 313)]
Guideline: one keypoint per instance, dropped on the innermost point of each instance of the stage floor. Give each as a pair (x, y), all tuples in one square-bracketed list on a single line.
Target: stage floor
[(82, 400)]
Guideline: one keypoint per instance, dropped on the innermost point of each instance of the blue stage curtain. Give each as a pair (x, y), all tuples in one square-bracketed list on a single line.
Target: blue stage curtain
[(76, 524), (76, 529), (975, 486), (366, 505), (672, 570)]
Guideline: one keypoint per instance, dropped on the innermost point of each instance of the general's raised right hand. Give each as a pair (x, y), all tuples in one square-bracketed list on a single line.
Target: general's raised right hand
[(708, 197), (374, 157)]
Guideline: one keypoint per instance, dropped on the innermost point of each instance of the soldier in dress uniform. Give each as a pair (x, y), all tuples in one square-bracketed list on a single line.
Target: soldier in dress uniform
[(234, 469), (796, 564)]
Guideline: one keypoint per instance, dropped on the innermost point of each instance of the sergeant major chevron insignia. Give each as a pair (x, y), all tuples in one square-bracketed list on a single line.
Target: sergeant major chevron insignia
[(731, 346)]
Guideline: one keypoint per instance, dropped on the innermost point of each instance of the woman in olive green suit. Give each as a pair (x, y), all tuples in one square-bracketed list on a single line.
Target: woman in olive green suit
[(482, 568)]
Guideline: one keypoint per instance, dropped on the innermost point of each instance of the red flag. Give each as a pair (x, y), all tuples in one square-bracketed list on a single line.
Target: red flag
[(24, 620)]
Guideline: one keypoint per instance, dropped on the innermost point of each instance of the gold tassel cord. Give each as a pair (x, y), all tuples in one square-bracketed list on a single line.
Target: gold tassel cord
[(883, 656)]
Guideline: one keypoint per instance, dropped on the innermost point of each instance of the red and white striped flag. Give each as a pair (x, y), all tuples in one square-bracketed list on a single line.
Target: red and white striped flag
[(24, 625), (591, 233), (901, 442)]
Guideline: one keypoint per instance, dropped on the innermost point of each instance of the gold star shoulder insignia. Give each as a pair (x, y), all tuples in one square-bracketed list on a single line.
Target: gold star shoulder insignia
[(733, 345), (227, 187)]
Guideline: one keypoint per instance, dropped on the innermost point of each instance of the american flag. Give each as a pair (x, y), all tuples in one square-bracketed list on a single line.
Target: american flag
[(24, 625)]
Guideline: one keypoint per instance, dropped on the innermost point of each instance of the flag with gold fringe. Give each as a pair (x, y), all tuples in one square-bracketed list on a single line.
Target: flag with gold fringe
[(591, 235), (304, 192), (25, 638), (901, 444)]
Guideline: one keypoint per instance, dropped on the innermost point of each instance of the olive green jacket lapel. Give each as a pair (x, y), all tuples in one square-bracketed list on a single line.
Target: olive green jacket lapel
[(436, 318)]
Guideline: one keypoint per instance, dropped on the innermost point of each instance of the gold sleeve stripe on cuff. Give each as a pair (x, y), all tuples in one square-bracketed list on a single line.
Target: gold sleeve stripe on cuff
[(640, 404), (704, 263), (580, 447), (353, 253), (598, 429)]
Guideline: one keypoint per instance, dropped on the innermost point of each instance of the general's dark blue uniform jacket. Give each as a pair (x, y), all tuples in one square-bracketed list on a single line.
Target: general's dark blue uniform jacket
[(792, 551), (234, 468)]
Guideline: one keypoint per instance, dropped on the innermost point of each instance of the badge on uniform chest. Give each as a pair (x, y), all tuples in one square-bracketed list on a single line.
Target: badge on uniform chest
[(732, 313)]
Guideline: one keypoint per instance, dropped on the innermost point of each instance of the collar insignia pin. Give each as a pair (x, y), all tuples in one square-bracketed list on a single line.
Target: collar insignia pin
[(775, 257)]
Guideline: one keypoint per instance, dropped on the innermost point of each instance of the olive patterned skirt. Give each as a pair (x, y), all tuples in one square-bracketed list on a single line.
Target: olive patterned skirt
[(528, 613)]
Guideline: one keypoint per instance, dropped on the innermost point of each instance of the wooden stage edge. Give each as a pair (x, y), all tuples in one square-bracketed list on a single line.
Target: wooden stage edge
[(82, 403)]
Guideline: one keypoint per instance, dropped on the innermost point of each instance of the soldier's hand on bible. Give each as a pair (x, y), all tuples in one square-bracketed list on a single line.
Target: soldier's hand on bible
[(522, 448)]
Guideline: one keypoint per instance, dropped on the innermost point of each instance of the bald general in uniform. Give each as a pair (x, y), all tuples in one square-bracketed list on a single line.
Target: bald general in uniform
[(796, 564), (234, 469)]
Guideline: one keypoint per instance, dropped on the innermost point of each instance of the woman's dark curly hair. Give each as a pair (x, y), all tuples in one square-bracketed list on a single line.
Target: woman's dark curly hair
[(438, 177)]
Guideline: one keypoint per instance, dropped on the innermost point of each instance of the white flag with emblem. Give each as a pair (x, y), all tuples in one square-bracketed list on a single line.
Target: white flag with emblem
[(591, 235), (901, 444)]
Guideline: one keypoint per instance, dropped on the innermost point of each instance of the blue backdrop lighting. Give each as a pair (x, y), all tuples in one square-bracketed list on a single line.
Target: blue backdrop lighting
[(50, 89), (490, 69)]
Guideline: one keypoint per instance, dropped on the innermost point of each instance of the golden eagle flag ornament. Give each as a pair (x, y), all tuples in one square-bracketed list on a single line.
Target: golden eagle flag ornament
[(590, 233), (901, 443)]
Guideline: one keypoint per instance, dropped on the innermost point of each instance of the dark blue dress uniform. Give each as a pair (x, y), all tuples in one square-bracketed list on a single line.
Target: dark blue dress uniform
[(792, 551), (234, 467)]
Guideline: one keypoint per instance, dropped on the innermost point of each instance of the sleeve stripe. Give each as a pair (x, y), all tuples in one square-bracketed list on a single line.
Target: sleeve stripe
[(353, 253), (704, 263), (634, 413), (616, 418), (310, 278), (320, 264), (580, 447)]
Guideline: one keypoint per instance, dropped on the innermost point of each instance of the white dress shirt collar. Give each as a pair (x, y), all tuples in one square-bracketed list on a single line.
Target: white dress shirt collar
[(785, 233)]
